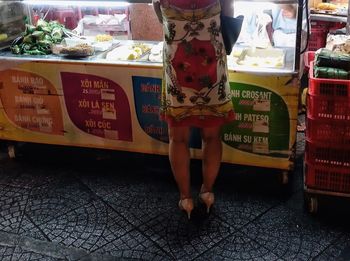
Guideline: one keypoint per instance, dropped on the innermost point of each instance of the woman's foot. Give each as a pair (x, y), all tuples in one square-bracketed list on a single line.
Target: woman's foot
[(207, 198), (186, 204)]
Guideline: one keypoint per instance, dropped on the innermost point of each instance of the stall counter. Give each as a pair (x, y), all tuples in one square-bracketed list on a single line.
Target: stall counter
[(116, 106)]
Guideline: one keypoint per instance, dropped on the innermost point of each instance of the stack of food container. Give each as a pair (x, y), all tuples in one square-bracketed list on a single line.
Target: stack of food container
[(327, 151)]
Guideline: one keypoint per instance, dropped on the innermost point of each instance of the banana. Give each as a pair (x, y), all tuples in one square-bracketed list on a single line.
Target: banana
[(3, 37)]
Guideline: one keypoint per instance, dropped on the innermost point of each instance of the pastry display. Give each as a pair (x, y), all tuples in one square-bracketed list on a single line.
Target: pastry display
[(103, 38), (271, 58), (156, 54), (326, 6), (276, 62), (128, 52), (81, 50)]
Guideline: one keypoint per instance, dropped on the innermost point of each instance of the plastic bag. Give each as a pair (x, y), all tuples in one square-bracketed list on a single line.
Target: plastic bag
[(230, 29)]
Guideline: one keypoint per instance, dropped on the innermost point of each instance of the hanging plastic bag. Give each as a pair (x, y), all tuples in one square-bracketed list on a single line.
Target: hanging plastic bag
[(230, 29)]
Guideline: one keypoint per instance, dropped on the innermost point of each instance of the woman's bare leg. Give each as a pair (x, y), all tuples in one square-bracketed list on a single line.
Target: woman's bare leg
[(179, 156), (211, 159)]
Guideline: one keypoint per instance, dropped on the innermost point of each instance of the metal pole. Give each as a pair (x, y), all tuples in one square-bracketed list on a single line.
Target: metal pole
[(348, 20)]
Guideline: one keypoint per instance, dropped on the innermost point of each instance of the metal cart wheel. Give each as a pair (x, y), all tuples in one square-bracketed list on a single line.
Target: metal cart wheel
[(284, 177), (313, 204), (11, 151)]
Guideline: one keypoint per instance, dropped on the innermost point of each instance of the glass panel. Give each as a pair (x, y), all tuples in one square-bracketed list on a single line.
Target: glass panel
[(12, 21), (267, 42), (268, 37), (85, 17)]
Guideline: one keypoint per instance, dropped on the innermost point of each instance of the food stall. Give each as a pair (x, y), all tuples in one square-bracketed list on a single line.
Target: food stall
[(61, 86)]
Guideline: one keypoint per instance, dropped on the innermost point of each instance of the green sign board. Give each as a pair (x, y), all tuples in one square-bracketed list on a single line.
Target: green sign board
[(262, 122)]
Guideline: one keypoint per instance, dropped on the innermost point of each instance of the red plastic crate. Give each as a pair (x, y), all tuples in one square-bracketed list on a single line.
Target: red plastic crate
[(327, 87), (323, 107), (335, 26), (328, 131), (317, 38), (327, 178), (325, 153), (309, 57), (320, 24)]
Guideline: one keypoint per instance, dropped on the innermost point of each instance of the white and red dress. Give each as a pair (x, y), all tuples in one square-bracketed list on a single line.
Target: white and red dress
[(196, 89)]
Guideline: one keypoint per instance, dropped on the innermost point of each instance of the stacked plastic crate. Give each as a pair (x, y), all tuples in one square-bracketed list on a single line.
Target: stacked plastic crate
[(319, 31), (327, 151)]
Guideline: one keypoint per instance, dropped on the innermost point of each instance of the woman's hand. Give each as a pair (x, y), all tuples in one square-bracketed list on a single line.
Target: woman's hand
[(227, 7), (156, 7)]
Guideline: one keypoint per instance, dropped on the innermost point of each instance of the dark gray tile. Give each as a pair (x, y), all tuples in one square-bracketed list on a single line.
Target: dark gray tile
[(140, 208), (296, 202), (300, 144), (296, 177), (13, 201), (88, 227), (9, 250), (238, 209), (6, 252), (33, 176), (26, 248), (185, 239), (238, 247), (28, 228), (138, 202), (339, 250), (134, 246), (291, 234), (139, 180), (26, 255), (8, 170), (26, 174), (55, 198)]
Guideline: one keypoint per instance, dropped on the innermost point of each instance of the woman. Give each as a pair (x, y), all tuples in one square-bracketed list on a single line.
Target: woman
[(284, 25), (196, 90)]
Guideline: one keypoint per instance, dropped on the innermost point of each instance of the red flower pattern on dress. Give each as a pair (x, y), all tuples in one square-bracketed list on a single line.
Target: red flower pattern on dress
[(195, 64), (195, 90)]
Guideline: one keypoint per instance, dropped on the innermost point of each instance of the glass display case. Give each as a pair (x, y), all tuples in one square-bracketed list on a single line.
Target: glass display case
[(272, 36), (12, 22), (270, 39)]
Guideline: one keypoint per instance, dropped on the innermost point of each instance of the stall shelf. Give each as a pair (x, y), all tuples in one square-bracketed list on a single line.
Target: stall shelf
[(92, 102)]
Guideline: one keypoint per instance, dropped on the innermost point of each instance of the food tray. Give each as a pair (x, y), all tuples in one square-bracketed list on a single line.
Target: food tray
[(265, 58), (127, 53), (73, 51)]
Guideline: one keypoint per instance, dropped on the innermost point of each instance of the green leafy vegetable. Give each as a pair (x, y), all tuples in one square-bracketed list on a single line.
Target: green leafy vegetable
[(37, 40)]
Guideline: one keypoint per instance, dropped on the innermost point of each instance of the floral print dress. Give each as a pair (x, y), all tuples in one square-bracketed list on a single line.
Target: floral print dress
[(196, 90)]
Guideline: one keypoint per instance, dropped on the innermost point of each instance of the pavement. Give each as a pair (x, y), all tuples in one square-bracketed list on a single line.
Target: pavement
[(63, 203)]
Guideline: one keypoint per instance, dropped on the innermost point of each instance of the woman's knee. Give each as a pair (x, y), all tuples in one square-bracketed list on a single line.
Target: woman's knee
[(210, 134), (179, 134)]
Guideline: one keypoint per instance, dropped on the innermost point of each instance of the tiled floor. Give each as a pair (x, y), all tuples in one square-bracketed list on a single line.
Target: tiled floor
[(59, 203)]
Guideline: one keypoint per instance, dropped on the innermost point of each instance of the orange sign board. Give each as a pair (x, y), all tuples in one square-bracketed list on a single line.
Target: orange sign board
[(31, 102)]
